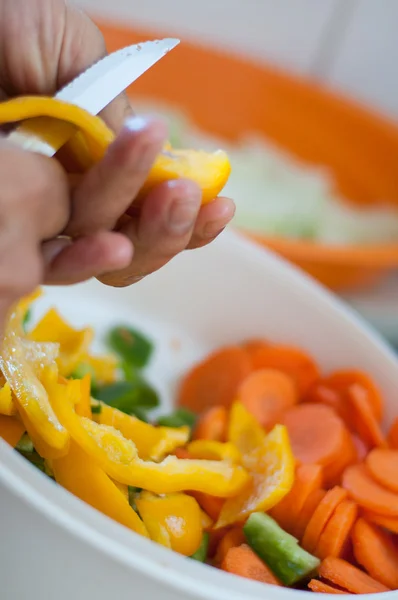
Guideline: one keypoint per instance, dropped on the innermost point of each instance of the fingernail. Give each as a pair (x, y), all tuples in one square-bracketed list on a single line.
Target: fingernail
[(183, 213), (50, 250), (136, 123), (213, 229)]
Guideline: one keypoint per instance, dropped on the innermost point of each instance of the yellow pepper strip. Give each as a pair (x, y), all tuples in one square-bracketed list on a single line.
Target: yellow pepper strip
[(50, 437), (212, 450), (7, 406), (73, 343), (123, 488), (83, 406), (178, 514), (11, 430), (104, 368), (209, 170), (81, 476), (207, 522), (117, 456), (244, 431), (153, 443), (272, 468)]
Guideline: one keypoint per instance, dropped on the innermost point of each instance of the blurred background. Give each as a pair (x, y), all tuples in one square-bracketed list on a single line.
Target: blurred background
[(304, 96)]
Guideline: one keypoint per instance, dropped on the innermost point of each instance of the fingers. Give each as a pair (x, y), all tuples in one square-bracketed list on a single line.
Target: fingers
[(110, 187), (211, 221), (164, 229)]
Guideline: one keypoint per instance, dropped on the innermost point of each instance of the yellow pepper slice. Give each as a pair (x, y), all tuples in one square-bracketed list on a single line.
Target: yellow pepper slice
[(178, 514), (123, 488), (212, 450), (272, 468), (81, 476), (152, 442), (207, 522), (244, 431), (83, 406), (104, 368), (7, 406), (73, 343), (11, 430), (117, 456), (55, 121)]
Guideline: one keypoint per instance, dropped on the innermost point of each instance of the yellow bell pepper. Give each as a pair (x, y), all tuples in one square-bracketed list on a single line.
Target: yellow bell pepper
[(81, 476), (123, 488), (49, 436), (207, 522), (11, 430), (54, 121), (212, 450), (244, 431), (117, 456), (73, 343), (177, 514), (83, 406), (271, 465), (7, 406), (152, 443), (104, 368)]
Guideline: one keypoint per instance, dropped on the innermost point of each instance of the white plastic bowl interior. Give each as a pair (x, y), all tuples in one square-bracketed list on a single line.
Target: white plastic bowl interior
[(54, 547)]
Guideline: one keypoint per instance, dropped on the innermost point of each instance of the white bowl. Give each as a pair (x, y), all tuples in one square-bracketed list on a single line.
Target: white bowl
[(53, 546)]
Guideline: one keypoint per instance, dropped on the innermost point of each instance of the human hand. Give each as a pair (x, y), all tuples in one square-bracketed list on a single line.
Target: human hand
[(58, 43)]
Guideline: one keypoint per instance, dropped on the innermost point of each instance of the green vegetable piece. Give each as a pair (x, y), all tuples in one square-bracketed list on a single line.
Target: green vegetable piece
[(201, 553), (25, 444), (35, 459), (128, 396), (96, 409), (140, 413), (132, 346), (133, 493), (279, 550), (178, 418), (26, 319)]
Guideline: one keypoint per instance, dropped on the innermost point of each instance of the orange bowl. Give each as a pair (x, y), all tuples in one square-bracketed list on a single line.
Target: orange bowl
[(229, 96)]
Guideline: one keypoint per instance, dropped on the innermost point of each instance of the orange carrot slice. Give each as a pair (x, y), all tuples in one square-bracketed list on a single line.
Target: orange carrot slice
[(389, 523), (182, 453), (308, 478), (375, 551), (242, 561), (212, 425), (346, 576), (232, 539), (210, 504), (341, 381), (393, 435), (215, 380), (334, 539), (333, 472), (368, 493), (304, 516), (360, 447), (320, 587), (266, 393), (321, 516), (292, 361), (322, 394), (383, 466), (317, 435), (363, 418)]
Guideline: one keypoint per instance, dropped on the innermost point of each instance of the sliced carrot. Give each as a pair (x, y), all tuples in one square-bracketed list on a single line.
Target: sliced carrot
[(389, 523), (215, 380), (233, 538), (363, 418), (368, 493), (393, 435), (304, 516), (11, 430), (182, 453), (317, 435), (346, 576), (307, 479), (242, 561), (360, 447), (292, 361), (320, 393), (341, 381), (266, 394), (383, 466), (333, 472), (215, 537), (376, 553), (334, 539), (212, 425), (321, 516), (320, 587), (210, 504)]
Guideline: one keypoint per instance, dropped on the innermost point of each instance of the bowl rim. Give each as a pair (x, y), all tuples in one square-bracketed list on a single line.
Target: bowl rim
[(109, 538)]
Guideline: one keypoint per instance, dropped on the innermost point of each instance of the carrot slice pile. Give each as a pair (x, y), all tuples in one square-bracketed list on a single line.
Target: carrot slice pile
[(292, 361), (389, 523), (321, 587), (266, 393), (346, 576), (341, 381), (320, 393), (321, 516), (244, 562), (393, 435), (383, 466), (363, 417), (232, 539), (368, 493), (376, 552), (212, 425), (304, 516), (335, 537), (215, 380)]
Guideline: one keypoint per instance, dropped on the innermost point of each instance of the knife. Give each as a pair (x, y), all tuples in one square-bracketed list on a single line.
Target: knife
[(93, 90)]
